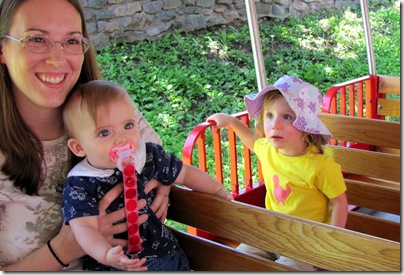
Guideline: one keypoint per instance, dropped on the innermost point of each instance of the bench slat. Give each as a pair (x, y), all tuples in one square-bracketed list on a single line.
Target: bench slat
[(206, 255), (388, 107), (319, 244), (374, 226), (389, 85), (366, 163), (363, 130), (373, 196)]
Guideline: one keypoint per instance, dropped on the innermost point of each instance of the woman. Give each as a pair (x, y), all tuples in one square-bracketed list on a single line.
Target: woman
[(44, 53)]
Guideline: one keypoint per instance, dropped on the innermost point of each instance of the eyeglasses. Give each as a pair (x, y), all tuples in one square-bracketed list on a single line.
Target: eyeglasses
[(38, 43)]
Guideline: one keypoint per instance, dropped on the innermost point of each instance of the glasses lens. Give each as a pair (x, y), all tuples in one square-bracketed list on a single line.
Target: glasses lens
[(76, 45), (37, 43)]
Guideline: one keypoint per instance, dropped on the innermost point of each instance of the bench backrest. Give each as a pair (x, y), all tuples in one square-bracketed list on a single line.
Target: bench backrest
[(372, 178), (325, 246)]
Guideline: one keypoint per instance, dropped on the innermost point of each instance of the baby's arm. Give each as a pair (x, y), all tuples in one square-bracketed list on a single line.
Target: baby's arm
[(246, 135), (198, 180), (85, 230), (339, 214)]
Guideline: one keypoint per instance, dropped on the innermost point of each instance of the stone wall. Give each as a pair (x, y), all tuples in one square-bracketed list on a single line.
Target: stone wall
[(116, 21)]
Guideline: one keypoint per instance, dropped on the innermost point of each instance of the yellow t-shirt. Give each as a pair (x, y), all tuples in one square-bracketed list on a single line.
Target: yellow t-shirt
[(300, 186)]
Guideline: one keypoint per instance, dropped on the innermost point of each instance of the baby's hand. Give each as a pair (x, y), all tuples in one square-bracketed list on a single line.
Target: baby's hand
[(224, 193), (116, 258)]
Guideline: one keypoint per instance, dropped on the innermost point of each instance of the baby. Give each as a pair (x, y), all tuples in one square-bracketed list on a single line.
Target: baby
[(99, 118)]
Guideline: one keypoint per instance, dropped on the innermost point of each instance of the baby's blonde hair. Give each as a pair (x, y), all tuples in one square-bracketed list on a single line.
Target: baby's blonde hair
[(312, 139), (87, 98)]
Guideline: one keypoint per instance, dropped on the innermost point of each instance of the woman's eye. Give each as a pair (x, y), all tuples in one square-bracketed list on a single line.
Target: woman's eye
[(128, 125), (73, 41), (36, 39), (269, 115), (288, 117), (103, 133)]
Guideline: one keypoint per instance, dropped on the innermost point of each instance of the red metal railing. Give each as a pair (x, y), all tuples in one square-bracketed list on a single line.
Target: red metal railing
[(357, 97), (198, 137)]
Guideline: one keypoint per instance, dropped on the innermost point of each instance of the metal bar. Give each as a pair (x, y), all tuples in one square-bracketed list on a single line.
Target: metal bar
[(256, 43), (368, 37)]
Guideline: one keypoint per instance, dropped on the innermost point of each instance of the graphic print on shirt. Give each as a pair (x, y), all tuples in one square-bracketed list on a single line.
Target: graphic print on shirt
[(279, 193)]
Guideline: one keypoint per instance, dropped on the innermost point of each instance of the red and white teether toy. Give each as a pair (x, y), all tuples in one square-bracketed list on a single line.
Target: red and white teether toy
[(124, 157)]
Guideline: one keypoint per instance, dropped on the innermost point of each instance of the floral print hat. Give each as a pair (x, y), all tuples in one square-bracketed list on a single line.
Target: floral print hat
[(303, 98)]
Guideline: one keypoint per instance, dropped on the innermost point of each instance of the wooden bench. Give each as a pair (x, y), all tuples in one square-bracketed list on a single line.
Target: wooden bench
[(324, 246), (373, 182)]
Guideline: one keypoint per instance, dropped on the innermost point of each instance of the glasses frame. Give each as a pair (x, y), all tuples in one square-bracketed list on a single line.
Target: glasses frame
[(53, 43)]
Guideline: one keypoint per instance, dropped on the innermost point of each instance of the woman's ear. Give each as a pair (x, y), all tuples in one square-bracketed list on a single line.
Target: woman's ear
[(75, 147), (2, 60)]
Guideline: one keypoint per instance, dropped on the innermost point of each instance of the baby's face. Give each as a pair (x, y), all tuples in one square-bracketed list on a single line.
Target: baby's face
[(115, 127)]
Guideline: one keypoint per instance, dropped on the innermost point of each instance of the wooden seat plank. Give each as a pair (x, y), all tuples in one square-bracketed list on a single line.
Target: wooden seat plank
[(375, 197), (207, 255), (366, 163), (389, 85), (388, 107), (374, 226), (363, 130)]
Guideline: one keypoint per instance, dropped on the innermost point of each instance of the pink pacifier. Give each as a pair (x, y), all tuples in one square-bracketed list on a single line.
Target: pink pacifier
[(125, 160)]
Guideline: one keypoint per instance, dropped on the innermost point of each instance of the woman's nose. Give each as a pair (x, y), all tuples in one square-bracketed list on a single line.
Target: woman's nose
[(56, 56)]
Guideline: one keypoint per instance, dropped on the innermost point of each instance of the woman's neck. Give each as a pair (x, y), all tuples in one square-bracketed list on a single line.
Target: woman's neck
[(46, 124)]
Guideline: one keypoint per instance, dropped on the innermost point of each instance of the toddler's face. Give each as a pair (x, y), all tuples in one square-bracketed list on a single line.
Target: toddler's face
[(115, 126), (279, 129)]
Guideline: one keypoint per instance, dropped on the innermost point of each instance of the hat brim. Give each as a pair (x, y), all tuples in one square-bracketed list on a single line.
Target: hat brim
[(254, 102)]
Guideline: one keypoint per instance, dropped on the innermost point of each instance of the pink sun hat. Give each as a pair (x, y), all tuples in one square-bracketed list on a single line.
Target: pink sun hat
[(303, 98)]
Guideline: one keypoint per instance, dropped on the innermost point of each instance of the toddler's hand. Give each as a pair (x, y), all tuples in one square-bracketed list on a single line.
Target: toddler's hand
[(220, 120), (224, 193)]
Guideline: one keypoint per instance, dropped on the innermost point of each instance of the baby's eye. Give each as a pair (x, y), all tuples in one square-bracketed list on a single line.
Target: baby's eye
[(128, 125), (103, 133)]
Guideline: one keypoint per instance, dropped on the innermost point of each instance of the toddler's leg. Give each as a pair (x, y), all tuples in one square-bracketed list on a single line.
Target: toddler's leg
[(296, 264), (258, 252)]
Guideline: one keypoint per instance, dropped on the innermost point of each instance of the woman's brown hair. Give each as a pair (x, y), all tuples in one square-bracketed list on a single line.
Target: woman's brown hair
[(18, 144)]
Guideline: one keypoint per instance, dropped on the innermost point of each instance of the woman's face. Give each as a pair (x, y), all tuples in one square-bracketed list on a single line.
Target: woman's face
[(42, 80)]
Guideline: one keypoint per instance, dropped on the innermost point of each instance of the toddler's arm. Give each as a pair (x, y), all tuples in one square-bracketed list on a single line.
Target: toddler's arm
[(246, 135), (198, 180), (339, 212)]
